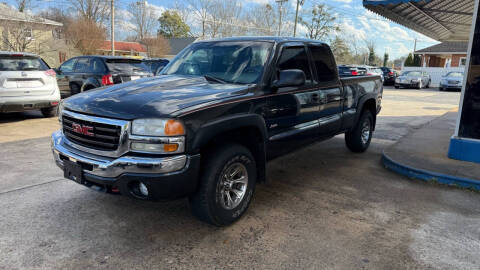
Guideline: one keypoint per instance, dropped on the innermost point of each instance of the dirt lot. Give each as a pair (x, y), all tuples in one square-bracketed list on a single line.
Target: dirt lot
[(337, 210)]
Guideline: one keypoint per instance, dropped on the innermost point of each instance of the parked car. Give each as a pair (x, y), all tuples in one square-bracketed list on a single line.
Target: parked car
[(84, 73), (156, 64), (417, 79), (389, 75), (371, 71), (206, 127), (27, 83), (452, 80), (348, 71)]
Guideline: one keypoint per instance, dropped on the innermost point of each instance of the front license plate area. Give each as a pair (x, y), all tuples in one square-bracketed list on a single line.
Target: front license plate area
[(72, 171)]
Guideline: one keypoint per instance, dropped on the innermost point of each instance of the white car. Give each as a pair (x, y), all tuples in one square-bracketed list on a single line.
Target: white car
[(27, 83)]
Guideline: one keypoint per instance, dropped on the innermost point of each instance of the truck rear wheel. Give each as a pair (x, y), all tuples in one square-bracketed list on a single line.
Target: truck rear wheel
[(226, 187), (358, 140)]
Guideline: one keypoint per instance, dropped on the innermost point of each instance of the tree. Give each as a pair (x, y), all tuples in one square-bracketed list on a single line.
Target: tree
[(23, 5), (371, 51), (319, 23), (201, 10), (143, 19), (86, 35), (91, 10), (385, 59), (417, 60), (262, 19), (156, 47), (409, 61), (341, 51), (172, 25)]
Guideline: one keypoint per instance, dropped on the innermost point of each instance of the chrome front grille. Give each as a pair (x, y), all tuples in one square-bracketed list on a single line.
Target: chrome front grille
[(102, 136), (105, 137)]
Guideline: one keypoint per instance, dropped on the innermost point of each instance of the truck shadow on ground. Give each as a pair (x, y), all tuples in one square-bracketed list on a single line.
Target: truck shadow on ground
[(307, 194)]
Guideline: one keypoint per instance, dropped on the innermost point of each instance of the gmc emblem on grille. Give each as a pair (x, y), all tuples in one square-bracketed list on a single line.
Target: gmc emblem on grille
[(85, 130)]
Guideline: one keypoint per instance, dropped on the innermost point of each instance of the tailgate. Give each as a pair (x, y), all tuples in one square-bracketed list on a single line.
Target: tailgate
[(26, 83)]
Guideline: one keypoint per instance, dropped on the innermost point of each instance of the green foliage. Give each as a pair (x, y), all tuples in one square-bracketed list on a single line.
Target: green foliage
[(172, 25), (385, 59), (413, 61), (409, 61), (371, 56)]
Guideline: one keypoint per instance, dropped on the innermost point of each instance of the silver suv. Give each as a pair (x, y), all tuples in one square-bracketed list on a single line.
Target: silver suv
[(27, 83)]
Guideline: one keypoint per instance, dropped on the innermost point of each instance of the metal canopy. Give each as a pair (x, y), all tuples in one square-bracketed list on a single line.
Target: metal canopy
[(443, 20)]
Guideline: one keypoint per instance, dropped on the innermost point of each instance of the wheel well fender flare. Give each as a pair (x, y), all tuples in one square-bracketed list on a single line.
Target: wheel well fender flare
[(361, 104)]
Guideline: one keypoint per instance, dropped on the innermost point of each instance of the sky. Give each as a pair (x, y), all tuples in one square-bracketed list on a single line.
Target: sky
[(353, 19)]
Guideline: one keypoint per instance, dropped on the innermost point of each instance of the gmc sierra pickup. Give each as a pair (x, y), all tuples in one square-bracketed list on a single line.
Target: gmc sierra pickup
[(206, 126)]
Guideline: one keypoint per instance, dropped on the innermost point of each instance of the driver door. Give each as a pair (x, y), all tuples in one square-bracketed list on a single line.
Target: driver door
[(292, 112)]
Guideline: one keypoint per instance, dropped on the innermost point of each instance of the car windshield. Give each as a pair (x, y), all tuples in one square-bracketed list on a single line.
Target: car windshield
[(455, 74), (412, 73), (222, 62), (126, 65), (21, 63)]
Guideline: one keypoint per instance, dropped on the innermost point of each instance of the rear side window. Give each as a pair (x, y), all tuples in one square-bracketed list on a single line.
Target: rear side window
[(322, 57), (82, 65), (126, 65), (97, 66), (295, 58), (21, 63)]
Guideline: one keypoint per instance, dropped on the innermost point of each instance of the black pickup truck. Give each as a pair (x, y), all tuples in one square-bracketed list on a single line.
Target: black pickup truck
[(206, 126)]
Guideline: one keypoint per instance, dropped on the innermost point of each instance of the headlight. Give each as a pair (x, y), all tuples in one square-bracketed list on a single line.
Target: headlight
[(157, 127)]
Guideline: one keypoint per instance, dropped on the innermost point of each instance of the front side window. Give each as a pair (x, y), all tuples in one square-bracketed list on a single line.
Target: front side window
[(97, 66), (323, 63), (295, 58), (68, 66), (230, 61)]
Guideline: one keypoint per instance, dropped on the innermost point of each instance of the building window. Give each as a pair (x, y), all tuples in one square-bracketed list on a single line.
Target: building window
[(28, 32), (57, 33), (463, 61)]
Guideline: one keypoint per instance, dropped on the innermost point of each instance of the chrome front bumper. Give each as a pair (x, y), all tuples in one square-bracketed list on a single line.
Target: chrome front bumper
[(113, 167)]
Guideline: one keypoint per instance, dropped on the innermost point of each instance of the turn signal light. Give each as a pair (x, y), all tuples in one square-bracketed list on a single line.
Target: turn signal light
[(173, 128), (170, 147)]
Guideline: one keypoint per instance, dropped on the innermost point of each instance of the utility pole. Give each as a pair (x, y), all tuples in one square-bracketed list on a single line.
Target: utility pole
[(299, 3), (280, 5), (112, 18), (415, 46)]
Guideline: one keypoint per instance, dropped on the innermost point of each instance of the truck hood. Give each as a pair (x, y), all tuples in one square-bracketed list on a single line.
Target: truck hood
[(151, 97)]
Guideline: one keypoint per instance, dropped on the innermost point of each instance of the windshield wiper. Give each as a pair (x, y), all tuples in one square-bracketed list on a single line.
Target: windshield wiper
[(214, 79)]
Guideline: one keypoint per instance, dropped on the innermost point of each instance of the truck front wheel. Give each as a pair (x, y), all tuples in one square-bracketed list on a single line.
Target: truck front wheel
[(358, 140), (226, 187)]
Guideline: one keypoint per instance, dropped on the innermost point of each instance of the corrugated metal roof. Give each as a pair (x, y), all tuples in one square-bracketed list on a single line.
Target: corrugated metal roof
[(446, 47), (443, 20)]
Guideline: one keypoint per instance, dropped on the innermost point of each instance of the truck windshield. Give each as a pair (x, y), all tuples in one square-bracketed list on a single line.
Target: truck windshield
[(222, 62)]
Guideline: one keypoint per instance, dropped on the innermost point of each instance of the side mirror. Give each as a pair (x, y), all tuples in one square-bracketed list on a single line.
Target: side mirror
[(57, 70), (289, 78)]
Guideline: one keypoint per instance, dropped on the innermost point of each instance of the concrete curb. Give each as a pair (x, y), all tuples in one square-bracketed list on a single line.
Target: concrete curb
[(428, 176)]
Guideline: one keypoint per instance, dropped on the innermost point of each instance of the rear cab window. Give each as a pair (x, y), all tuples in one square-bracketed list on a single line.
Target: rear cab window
[(324, 63), (126, 66), (22, 63)]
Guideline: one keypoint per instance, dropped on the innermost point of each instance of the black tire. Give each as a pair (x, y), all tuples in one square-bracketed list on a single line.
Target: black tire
[(207, 203), (440, 89), (74, 89), (396, 86), (50, 111), (354, 139)]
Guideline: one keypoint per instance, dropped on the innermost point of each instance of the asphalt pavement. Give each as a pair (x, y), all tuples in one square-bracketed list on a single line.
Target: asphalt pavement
[(322, 208)]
